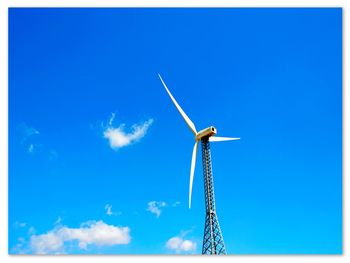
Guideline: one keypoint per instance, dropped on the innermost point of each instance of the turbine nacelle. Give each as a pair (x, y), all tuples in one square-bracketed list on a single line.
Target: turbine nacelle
[(207, 132)]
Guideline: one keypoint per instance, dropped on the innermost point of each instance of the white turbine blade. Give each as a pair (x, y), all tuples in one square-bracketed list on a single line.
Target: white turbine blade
[(193, 165), (221, 139), (183, 114)]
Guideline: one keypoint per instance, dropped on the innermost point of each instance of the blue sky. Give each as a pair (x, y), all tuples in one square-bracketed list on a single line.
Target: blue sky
[(99, 158)]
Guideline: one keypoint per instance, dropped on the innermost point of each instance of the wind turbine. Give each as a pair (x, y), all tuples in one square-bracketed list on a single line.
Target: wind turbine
[(213, 242)]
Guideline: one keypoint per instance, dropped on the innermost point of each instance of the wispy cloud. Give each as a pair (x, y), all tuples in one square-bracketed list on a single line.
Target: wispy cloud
[(110, 122), (33, 147), (155, 207), (58, 221), (31, 141), (21, 247), (24, 225), (89, 233), (27, 131), (109, 211), (53, 155), (31, 230), (18, 224), (27, 138), (118, 137), (181, 245)]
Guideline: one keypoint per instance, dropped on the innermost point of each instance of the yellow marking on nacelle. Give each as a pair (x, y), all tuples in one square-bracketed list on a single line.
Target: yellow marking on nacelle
[(210, 131)]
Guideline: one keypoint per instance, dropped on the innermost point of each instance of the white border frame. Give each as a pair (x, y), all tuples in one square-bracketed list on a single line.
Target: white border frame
[(5, 4)]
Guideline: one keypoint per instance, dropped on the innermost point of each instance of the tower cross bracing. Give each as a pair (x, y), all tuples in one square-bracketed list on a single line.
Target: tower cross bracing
[(213, 241)]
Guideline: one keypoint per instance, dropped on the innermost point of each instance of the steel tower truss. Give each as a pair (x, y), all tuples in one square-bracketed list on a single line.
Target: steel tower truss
[(213, 242)]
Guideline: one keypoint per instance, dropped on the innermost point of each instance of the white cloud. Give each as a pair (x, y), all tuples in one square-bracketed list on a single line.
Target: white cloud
[(181, 245), (118, 138), (178, 244), (47, 243), (154, 207), (90, 233)]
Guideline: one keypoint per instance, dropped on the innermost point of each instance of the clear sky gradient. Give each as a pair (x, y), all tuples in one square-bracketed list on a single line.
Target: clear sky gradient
[(272, 77)]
